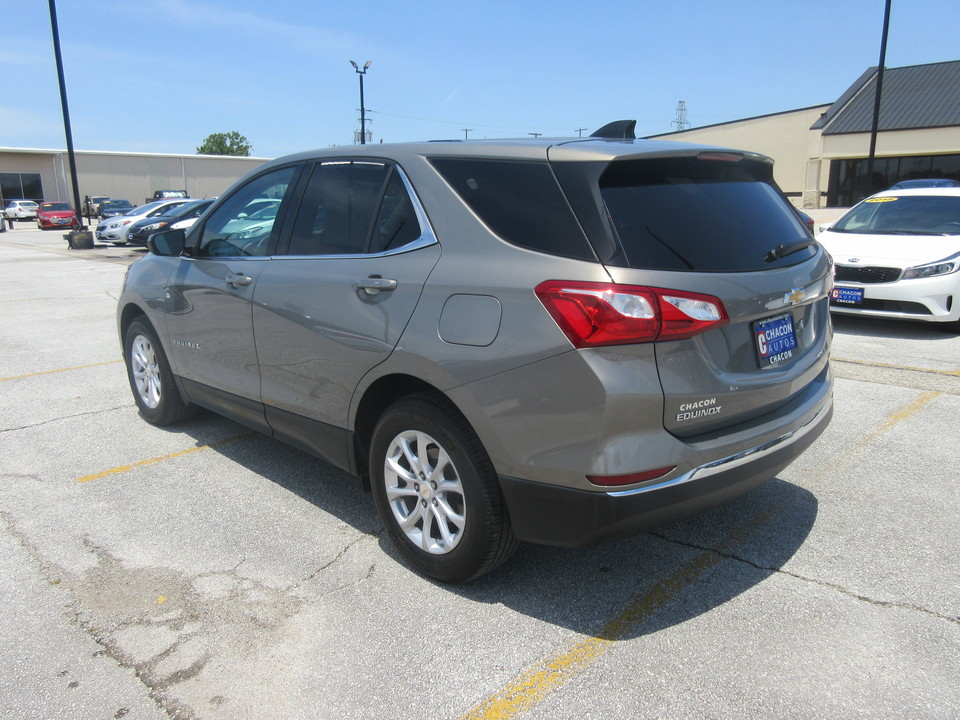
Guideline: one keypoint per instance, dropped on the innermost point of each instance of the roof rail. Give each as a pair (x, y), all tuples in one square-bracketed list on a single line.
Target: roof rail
[(618, 130)]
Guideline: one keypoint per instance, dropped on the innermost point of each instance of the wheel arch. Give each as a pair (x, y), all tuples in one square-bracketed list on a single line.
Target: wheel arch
[(127, 315), (381, 394)]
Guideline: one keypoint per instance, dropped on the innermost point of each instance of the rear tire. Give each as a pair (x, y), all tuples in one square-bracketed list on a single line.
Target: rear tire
[(151, 379), (436, 491)]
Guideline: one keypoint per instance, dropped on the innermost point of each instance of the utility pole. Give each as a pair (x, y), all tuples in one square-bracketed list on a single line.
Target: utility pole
[(465, 131), (535, 134), (681, 121), (580, 132)]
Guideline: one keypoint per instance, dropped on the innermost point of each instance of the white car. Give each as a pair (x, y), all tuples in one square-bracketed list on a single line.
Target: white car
[(21, 209), (114, 229), (897, 255)]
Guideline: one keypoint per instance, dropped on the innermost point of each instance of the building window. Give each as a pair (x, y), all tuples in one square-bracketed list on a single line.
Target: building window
[(21, 186)]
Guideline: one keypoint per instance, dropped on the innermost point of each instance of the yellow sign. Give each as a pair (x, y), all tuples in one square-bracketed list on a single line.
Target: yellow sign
[(881, 199)]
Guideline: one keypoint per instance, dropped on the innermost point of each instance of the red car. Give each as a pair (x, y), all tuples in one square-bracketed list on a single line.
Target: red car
[(56, 214)]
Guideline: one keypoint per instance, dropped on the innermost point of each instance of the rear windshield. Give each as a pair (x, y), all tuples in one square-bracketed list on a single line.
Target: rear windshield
[(699, 214), (903, 215), (520, 201)]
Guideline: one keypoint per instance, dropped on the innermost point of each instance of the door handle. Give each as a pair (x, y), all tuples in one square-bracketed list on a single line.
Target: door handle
[(239, 279), (373, 285)]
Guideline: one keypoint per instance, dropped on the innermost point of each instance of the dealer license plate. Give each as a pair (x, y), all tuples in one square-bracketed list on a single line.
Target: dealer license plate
[(775, 339), (847, 296)]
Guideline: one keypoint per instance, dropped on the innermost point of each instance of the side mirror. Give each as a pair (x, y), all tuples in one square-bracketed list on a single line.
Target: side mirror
[(167, 244)]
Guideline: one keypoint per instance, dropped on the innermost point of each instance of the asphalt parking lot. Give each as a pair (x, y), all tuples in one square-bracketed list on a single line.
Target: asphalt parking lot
[(206, 572)]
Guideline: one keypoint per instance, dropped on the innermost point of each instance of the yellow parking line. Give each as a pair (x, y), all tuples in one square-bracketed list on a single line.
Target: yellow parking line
[(893, 366), (171, 456), (545, 676), (905, 413), (548, 675), (49, 372)]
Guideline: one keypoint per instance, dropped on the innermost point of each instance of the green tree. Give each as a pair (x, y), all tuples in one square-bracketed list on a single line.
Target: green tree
[(231, 143)]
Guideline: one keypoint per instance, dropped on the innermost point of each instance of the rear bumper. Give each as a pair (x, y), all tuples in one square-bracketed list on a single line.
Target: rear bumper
[(553, 515)]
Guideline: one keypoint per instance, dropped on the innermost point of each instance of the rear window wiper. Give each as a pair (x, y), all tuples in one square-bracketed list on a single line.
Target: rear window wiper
[(785, 249)]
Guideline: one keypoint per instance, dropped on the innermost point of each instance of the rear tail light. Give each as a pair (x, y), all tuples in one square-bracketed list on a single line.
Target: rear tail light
[(598, 314)]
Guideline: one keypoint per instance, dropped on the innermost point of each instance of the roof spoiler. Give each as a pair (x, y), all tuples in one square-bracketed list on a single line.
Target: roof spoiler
[(618, 130)]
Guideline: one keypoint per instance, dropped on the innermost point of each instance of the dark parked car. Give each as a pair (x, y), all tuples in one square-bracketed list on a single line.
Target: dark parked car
[(560, 342), (56, 215), (181, 216), (112, 208)]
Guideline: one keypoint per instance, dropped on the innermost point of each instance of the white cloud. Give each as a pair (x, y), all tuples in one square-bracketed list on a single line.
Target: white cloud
[(305, 38)]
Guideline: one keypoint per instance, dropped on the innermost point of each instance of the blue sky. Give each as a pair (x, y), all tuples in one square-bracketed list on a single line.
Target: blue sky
[(152, 76)]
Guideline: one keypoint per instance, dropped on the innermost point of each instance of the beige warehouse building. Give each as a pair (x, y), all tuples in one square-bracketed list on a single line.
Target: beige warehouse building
[(45, 174), (821, 152)]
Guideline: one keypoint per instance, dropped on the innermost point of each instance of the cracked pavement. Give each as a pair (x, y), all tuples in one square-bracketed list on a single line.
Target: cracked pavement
[(206, 572)]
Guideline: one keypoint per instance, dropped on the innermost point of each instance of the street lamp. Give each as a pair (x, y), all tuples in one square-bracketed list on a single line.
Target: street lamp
[(363, 115)]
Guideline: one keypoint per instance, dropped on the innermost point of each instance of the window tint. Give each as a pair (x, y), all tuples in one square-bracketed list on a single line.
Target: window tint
[(703, 215), (519, 201), (338, 208), (240, 226)]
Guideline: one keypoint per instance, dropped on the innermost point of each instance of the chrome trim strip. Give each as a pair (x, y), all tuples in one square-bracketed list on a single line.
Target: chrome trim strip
[(729, 462)]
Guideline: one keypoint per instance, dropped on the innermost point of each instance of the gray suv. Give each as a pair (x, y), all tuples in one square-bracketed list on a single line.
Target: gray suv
[(553, 341)]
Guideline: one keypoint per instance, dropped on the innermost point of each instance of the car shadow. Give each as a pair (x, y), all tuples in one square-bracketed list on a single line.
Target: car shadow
[(887, 328), (633, 587), (613, 591)]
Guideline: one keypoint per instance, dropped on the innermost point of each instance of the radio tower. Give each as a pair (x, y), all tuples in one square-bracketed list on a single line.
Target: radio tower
[(681, 121)]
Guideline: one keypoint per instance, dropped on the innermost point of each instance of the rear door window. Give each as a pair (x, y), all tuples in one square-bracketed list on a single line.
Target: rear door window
[(519, 201), (701, 215)]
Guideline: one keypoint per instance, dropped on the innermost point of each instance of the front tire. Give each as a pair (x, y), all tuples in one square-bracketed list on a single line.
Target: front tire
[(151, 379), (436, 491)]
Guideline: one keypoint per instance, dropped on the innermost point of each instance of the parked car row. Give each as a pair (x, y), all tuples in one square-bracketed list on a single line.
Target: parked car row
[(114, 229), (46, 214)]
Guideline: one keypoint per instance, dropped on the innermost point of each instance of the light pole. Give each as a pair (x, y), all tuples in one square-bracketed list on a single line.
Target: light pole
[(874, 127), (66, 111), (363, 114)]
